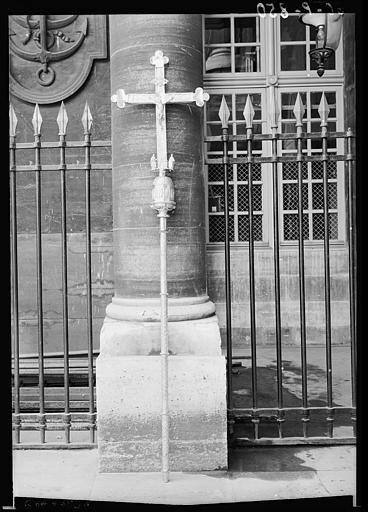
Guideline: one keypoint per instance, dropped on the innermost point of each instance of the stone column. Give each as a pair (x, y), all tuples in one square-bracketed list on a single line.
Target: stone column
[(128, 367)]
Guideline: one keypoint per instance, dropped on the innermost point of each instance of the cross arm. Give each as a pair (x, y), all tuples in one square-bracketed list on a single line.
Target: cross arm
[(121, 98), (199, 96)]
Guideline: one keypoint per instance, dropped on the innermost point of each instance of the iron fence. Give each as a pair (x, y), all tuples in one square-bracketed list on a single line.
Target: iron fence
[(53, 394), (244, 422)]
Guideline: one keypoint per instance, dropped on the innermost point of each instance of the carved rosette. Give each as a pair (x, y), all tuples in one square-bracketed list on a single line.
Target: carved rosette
[(163, 195)]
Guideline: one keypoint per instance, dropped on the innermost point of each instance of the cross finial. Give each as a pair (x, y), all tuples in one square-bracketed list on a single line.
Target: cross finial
[(120, 98), (159, 59), (224, 113), (37, 120), (62, 119)]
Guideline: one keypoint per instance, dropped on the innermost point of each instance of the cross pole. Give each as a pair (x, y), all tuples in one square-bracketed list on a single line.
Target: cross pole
[(163, 202)]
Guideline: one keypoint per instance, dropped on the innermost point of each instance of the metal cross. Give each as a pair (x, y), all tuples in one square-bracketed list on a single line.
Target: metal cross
[(163, 202), (160, 98)]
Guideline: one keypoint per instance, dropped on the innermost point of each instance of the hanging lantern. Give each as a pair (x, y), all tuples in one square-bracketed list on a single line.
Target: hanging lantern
[(329, 27)]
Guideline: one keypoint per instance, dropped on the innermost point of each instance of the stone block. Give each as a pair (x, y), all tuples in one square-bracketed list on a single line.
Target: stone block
[(129, 413)]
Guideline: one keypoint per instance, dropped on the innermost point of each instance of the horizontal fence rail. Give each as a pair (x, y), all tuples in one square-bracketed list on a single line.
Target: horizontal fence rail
[(54, 402), (303, 423)]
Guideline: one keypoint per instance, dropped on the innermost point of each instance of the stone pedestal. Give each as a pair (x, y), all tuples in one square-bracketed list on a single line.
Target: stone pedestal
[(128, 367)]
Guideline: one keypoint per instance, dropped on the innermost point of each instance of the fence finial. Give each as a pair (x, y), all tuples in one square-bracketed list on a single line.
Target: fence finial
[(299, 110), (248, 112), (224, 113), (323, 110), (62, 119), (87, 118), (13, 121), (37, 120)]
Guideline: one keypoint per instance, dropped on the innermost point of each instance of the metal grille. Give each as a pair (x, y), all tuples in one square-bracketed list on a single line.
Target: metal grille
[(242, 172), (290, 196), (290, 170), (317, 170), (54, 392), (319, 226), (251, 419), (313, 198), (291, 226), (243, 227), (217, 228)]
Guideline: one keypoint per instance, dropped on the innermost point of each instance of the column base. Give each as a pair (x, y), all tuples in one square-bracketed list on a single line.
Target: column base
[(129, 413)]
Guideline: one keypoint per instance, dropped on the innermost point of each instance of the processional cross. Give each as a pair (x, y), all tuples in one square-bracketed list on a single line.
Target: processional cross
[(163, 202)]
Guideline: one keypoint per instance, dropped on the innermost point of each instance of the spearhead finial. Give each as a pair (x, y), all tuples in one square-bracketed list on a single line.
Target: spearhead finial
[(37, 120), (224, 113), (13, 121), (87, 119), (323, 110), (248, 112), (299, 110), (62, 119)]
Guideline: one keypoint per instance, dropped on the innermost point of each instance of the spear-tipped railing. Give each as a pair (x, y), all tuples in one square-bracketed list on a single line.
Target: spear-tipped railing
[(273, 159), (224, 115), (299, 111), (73, 415), (248, 114)]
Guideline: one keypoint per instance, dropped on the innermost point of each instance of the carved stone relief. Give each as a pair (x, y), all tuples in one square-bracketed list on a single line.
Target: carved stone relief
[(51, 56)]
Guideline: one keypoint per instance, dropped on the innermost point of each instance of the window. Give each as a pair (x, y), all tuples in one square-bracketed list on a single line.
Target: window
[(296, 40), (312, 171), (288, 63), (238, 173), (232, 44)]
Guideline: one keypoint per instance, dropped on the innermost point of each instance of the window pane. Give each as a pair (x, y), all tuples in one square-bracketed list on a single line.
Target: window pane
[(290, 195), (242, 172), (247, 59), (216, 198), (217, 228), (242, 130), (293, 58), (291, 226), (288, 100), (243, 228), (216, 172), (292, 29), (241, 100), (316, 99), (318, 226), (213, 107), (218, 60), (245, 30), (290, 170), (217, 30)]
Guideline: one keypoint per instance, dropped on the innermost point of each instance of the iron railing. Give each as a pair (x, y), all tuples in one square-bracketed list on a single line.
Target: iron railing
[(281, 415), (53, 394)]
